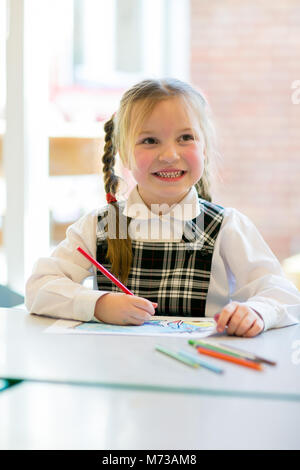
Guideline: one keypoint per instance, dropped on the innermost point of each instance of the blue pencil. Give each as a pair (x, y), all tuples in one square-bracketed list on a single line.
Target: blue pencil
[(204, 364)]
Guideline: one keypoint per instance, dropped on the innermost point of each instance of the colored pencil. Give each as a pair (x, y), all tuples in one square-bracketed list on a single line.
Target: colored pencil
[(201, 363), (226, 357), (177, 356), (235, 352), (105, 272), (249, 355), (216, 347)]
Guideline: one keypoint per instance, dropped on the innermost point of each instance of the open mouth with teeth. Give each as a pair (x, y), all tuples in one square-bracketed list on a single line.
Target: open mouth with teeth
[(169, 175)]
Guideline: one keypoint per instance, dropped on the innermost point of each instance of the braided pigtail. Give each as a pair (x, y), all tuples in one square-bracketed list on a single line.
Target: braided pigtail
[(111, 181), (119, 251)]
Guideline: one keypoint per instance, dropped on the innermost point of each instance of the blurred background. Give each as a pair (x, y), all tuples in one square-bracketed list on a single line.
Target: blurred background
[(64, 65)]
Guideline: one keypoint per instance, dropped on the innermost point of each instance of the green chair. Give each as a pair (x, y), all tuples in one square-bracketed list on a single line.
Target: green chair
[(9, 298)]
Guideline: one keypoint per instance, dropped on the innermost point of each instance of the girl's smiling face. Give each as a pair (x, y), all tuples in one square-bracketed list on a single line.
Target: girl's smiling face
[(169, 154)]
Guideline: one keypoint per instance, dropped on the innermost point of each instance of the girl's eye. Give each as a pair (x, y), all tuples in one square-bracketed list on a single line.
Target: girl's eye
[(186, 137), (149, 140)]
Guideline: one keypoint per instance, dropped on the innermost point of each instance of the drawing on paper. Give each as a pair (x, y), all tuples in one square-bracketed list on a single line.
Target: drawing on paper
[(151, 327), (160, 326)]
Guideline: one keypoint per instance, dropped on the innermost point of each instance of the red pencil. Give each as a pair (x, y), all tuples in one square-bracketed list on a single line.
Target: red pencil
[(225, 357), (105, 272)]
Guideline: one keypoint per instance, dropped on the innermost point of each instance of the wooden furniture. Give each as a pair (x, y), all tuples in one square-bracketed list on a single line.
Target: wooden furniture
[(68, 156)]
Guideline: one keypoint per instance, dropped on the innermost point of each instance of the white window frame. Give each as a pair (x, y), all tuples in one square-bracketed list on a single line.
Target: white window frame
[(25, 150)]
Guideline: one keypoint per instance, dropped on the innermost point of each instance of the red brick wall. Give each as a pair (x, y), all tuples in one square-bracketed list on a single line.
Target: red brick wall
[(245, 55)]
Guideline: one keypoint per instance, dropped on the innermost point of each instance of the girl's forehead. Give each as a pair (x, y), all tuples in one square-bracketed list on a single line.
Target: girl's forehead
[(172, 112)]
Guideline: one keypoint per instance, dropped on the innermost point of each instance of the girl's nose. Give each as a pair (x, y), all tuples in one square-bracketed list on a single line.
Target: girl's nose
[(169, 155)]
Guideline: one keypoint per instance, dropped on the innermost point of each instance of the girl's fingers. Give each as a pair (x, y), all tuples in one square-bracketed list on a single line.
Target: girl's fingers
[(235, 321), (144, 304), (216, 317), (240, 320), (138, 317), (225, 315), (245, 325), (255, 329)]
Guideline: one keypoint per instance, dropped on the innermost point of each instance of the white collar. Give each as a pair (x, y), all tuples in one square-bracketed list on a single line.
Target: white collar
[(187, 209)]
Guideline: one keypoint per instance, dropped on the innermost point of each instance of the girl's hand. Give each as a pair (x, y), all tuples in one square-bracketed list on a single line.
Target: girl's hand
[(123, 309), (240, 320)]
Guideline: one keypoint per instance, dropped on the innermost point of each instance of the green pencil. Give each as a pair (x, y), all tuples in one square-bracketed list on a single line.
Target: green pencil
[(174, 355)]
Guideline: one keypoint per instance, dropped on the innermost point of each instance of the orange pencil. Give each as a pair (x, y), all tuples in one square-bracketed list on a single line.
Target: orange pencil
[(225, 357)]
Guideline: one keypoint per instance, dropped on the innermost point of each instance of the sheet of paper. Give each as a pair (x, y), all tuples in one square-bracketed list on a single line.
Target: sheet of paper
[(160, 326)]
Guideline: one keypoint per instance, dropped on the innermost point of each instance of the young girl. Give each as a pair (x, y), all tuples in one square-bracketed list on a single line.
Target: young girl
[(178, 252)]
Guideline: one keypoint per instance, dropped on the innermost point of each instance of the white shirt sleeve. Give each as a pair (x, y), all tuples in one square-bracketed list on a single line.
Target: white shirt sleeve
[(54, 288), (254, 275)]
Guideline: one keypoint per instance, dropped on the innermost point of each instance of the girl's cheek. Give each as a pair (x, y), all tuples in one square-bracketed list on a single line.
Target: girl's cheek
[(195, 158), (195, 162), (143, 161)]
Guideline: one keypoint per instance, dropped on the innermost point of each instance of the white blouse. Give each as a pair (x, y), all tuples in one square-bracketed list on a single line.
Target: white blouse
[(244, 269)]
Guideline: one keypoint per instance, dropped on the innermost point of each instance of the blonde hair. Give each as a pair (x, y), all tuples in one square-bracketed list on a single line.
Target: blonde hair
[(120, 136)]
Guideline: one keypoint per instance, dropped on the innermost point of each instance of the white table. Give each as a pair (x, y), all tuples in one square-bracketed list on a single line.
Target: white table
[(84, 392), (51, 416)]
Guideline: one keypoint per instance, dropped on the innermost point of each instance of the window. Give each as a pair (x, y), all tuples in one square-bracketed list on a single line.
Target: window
[(119, 42)]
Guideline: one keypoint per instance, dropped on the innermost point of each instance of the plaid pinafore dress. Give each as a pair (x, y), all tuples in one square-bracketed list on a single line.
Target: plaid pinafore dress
[(176, 275)]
